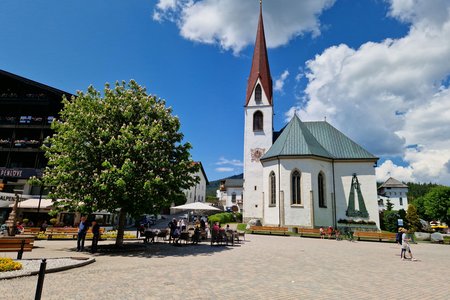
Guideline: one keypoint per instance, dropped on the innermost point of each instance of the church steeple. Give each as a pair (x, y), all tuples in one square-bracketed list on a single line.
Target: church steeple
[(260, 64)]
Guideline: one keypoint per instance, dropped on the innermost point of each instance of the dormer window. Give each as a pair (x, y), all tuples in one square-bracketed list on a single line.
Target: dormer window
[(258, 121), (258, 94)]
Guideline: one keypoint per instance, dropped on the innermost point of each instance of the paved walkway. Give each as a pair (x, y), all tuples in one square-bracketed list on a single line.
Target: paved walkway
[(264, 267)]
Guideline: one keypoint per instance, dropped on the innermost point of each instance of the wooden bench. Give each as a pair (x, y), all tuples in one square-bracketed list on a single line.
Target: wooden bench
[(16, 244), (69, 232), (269, 229), (34, 231), (89, 234), (312, 232), (61, 231), (373, 235)]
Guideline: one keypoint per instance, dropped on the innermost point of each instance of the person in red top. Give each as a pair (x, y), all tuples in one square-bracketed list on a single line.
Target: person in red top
[(216, 227), (19, 228), (329, 231)]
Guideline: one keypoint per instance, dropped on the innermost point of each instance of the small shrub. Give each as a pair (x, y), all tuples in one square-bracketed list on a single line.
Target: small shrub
[(360, 222), (225, 217), (8, 264), (53, 221), (242, 226)]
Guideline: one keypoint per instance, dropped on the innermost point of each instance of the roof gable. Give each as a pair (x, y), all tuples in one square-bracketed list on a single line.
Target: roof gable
[(336, 143), (393, 183), (296, 139), (315, 139)]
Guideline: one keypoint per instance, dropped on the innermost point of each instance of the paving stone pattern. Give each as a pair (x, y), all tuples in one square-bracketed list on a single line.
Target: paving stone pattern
[(263, 267)]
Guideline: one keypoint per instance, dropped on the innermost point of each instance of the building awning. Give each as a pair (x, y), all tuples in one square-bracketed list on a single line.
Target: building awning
[(34, 203)]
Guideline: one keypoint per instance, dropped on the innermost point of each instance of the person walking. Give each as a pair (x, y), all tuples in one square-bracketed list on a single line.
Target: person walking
[(172, 226), (95, 236), (82, 230), (398, 236), (406, 246)]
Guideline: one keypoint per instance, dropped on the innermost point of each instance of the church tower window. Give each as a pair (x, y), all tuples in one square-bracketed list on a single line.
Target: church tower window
[(258, 94), (295, 188), (321, 192), (258, 121), (272, 191)]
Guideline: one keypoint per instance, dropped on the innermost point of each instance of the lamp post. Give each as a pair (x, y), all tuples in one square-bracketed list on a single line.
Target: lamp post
[(39, 204)]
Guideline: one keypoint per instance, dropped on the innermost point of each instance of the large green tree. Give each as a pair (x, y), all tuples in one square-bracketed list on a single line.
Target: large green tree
[(413, 218), (437, 203), (117, 151)]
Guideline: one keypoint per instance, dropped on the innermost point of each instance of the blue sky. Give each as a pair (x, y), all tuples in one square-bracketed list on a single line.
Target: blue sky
[(378, 70)]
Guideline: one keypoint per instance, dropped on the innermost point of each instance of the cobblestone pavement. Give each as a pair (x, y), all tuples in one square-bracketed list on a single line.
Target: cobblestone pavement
[(263, 267)]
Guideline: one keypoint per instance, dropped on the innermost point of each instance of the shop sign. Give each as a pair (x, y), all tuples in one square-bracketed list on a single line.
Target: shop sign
[(19, 172)]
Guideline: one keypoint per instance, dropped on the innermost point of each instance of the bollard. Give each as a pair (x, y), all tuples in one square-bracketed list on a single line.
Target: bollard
[(40, 279)]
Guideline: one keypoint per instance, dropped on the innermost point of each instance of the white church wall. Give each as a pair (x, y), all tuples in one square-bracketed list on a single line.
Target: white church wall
[(270, 213), (253, 140), (366, 176), (292, 214)]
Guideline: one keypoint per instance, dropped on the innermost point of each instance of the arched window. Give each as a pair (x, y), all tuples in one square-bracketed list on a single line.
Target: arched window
[(321, 191), (295, 188), (272, 189), (258, 121), (258, 94), (233, 197)]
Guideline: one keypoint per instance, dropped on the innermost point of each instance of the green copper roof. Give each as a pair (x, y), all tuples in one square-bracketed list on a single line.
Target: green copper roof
[(317, 139)]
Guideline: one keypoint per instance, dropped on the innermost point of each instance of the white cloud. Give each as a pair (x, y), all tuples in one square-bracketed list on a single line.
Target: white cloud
[(232, 23), (224, 169), (279, 83), (233, 162), (389, 169), (392, 94)]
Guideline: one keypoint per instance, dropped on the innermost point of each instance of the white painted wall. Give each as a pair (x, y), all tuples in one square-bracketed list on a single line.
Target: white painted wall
[(309, 214), (229, 196), (197, 193), (253, 185), (394, 195), (365, 172)]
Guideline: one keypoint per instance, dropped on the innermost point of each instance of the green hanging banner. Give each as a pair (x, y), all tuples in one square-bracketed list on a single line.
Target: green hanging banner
[(351, 211)]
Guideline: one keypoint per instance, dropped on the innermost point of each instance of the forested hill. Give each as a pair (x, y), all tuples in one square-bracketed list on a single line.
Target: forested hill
[(214, 185), (416, 190)]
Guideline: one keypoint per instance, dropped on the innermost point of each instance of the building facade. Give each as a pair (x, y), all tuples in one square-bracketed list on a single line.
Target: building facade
[(309, 174), (230, 194), (394, 191), (197, 193), (27, 110)]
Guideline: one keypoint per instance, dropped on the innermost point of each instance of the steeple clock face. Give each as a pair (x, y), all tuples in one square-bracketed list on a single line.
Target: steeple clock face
[(257, 153)]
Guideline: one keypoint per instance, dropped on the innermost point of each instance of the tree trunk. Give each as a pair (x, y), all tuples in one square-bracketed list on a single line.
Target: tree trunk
[(121, 227)]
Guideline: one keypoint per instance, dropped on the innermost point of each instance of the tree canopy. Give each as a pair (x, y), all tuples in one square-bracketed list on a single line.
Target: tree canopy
[(123, 150), (437, 203)]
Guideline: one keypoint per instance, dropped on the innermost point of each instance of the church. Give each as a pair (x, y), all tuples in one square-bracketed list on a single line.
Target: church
[(308, 174)]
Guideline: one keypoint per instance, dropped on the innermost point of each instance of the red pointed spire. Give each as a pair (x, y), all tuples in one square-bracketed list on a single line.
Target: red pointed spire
[(260, 64)]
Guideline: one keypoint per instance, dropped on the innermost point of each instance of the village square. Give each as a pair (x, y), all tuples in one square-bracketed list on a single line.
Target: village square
[(104, 193)]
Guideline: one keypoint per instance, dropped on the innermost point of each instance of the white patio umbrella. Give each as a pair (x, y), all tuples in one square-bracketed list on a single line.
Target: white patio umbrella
[(196, 206)]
